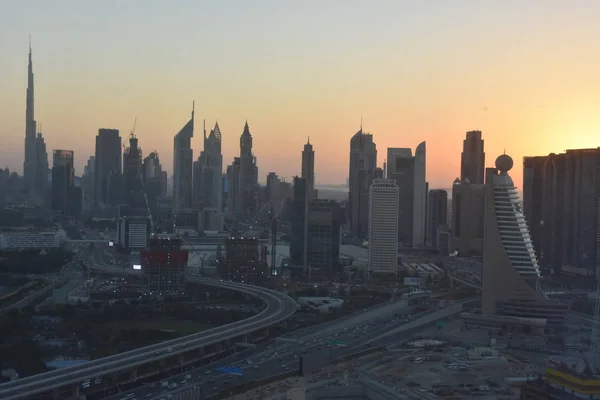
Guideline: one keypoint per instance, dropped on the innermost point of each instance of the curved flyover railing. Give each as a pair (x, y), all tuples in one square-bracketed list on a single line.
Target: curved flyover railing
[(278, 307)]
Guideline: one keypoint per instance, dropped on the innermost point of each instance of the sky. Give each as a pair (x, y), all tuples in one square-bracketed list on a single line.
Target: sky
[(523, 72)]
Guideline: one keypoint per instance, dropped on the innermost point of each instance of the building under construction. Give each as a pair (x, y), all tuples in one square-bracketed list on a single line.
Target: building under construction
[(244, 260), (163, 265)]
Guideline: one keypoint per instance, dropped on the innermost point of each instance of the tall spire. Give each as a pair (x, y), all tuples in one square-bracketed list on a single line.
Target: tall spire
[(308, 142), (193, 108)]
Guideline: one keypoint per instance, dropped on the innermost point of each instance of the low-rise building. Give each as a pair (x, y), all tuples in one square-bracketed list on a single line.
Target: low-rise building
[(17, 241)]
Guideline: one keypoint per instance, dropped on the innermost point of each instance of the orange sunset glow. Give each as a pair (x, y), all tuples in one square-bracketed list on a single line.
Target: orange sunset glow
[(414, 71)]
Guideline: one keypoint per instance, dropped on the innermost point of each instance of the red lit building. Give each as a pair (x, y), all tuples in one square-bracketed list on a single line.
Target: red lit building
[(163, 265)]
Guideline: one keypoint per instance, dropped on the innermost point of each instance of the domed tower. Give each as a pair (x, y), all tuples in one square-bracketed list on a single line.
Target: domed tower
[(511, 274)]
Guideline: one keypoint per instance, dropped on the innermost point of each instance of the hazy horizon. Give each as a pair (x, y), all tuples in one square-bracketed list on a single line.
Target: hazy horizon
[(524, 73)]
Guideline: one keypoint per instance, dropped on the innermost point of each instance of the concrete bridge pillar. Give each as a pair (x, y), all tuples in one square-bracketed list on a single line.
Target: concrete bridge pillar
[(75, 392), (180, 360), (134, 375)]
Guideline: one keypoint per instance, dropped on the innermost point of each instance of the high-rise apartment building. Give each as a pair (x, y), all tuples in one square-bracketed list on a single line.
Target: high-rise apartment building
[(108, 163), (472, 158), (308, 167), (437, 215), (383, 226), (561, 195), (409, 174), (511, 275), (363, 162), (63, 180), (183, 159)]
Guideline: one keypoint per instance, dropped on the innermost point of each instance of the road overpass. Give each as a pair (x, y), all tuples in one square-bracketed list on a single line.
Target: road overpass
[(67, 382)]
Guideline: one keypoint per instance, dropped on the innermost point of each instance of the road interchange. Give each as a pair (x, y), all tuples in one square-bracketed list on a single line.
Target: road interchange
[(278, 307)]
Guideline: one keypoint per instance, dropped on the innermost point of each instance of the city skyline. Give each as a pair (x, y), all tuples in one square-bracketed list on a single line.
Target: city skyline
[(532, 90)]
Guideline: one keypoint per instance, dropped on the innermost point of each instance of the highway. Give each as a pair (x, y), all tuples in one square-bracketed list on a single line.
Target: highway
[(278, 308), (383, 326)]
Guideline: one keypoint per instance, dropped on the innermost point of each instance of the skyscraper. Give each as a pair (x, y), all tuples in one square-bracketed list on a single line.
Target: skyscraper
[(40, 166), (132, 175), (466, 236), (108, 163), (511, 275), (560, 201), (437, 214), (383, 226), (208, 171), (155, 185), (29, 166), (298, 222), (248, 175), (183, 158), (409, 174), (363, 162), (87, 182), (472, 158), (63, 180), (308, 167)]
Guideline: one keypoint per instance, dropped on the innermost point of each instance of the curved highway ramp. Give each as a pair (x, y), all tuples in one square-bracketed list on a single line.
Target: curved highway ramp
[(278, 307)]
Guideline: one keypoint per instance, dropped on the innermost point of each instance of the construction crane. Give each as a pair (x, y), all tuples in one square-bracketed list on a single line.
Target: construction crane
[(132, 133)]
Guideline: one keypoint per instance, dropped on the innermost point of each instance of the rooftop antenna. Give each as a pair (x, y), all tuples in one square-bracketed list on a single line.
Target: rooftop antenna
[(204, 127), (361, 123), (193, 108)]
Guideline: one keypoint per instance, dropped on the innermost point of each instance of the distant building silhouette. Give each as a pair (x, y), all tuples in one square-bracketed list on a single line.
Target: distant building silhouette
[(40, 165), (561, 203), (437, 214), (409, 174), (63, 180), (87, 182), (29, 165), (208, 171), (466, 228), (308, 168), (363, 162), (242, 177), (132, 175), (155, 182), (472, 158), (183, 158), (108, 164)]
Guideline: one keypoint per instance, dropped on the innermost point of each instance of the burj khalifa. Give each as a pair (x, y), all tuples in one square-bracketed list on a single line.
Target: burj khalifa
[(29, 165)]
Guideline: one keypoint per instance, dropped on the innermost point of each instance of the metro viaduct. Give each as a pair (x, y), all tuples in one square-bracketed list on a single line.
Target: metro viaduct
[(97, 377)]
